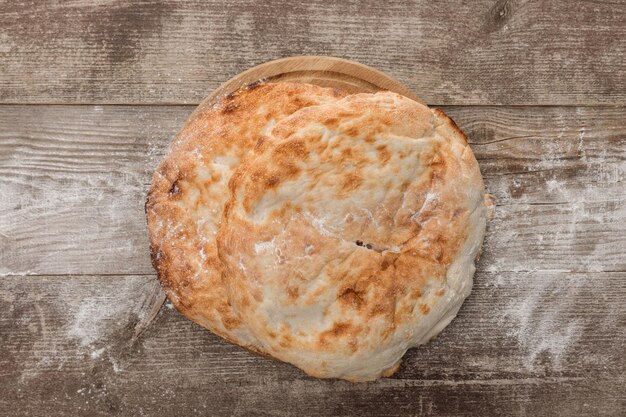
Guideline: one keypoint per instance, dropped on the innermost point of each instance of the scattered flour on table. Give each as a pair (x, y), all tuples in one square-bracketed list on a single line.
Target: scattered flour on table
[(543, 312), (540, 321), (95, 354), (98, 317), (92, 328), (537, 313)]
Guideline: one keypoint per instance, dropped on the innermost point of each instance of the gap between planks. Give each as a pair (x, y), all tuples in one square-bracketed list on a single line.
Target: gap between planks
[(478, 272), (196, 103)]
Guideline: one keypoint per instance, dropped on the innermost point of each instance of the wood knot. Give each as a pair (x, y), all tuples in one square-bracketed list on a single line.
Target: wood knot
[(499, 14)]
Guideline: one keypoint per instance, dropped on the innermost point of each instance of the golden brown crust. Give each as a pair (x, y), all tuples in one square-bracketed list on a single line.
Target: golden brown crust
[(348, 236), (189, 189), (351, 232)]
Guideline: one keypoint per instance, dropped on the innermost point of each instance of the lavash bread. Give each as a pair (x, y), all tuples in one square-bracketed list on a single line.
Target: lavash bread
[(190, 188), (346, 236), (351, 234)]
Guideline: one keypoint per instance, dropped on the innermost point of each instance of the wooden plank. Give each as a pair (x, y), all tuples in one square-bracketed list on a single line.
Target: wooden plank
[(73, 181), (72, 175), (548, 154), (542, 343), (454, 52)]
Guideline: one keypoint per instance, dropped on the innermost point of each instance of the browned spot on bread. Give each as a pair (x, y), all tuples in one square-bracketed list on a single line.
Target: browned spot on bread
[(352, 297), (439, 254), (404, 312), (383, 154), (215, 176), (272, 181), (257, 294), (259, 143), (298, 102), (388, 260), (377, 310), (339, 329), (440, 292), (350, 182), (285, 336), (352, 131), (291, 149), (457, 212), (415, 294), (259, 174), (245, 301), (331, 122), (385, 264), (293, 293), (282, 211), (437, 160), (230, 107), (230, 322), (424, 308), (291, 170), (369, 139)]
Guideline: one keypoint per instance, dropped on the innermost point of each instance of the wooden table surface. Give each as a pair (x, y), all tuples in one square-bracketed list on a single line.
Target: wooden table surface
[(91, 93)]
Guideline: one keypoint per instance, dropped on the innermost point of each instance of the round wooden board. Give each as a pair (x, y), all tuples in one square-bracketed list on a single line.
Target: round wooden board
[(324, 71)]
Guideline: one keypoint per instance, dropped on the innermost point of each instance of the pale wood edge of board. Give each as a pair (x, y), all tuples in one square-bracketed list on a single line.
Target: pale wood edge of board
[(324, 71)]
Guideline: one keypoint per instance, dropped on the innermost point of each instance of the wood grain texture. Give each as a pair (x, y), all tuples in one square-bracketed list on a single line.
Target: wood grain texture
[(74, 353), (542, 333), (454, 52), (73, 181), (324, 71)]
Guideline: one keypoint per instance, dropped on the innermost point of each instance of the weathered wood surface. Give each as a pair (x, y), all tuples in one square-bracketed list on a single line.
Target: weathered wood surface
[(541, 343), (541, 334), (544, 330), (73, 181), (453, 52)]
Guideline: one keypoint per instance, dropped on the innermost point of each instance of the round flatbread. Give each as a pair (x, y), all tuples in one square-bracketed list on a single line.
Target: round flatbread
[(351, 234), (189, 190)]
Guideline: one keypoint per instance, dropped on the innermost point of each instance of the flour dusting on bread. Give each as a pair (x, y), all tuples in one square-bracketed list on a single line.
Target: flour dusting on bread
[(327, 230)]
